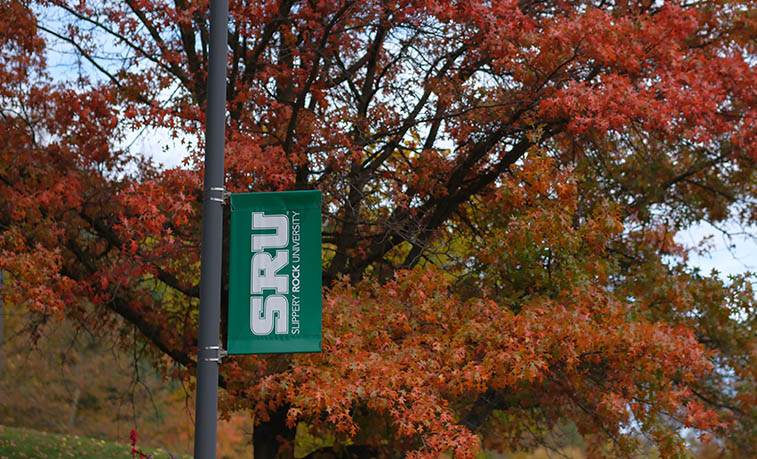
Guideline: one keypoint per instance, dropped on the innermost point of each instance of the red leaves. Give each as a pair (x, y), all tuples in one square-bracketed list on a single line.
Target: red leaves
[(422, 351), (136, 452)]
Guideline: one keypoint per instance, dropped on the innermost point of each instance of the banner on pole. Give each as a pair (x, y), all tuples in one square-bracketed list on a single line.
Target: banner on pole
[(275, 273)]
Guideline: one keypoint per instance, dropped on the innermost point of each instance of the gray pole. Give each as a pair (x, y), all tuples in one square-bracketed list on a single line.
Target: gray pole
[(206, 412)]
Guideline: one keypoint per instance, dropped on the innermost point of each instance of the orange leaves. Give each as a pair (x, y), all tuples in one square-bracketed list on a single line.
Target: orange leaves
[(414, 353), (394, 374), (20, 46), (648, 73), (33, 278)]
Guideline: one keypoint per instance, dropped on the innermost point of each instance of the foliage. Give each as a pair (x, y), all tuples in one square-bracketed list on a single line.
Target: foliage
[(502, 182)]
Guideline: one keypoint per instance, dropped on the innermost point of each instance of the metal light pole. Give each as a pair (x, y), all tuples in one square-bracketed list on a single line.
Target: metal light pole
[(206, 412)]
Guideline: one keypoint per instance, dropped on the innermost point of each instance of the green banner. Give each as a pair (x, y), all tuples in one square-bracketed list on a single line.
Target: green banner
[(275, 273)]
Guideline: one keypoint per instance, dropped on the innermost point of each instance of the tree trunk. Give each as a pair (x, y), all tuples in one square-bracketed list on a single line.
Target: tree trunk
[(74, 409), (346, 452), (268, 436)]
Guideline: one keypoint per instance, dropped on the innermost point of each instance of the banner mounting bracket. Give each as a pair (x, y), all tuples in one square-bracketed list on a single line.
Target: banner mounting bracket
[(224, 194), (221, 353)]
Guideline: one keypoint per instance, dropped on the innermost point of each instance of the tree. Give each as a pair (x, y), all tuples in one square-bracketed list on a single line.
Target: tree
[(502, 183)]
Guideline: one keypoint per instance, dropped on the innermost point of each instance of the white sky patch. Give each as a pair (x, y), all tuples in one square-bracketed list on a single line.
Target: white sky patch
[(158, 144), (733, 248), (65, 64)]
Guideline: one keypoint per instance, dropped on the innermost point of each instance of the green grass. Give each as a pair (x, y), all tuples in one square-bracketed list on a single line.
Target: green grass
[(25, 443)]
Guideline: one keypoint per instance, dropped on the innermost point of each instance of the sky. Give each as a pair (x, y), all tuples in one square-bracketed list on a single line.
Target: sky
[(158, 145), (729, 255)]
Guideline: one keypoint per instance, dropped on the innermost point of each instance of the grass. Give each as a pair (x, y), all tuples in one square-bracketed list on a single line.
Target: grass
[(26, 443)]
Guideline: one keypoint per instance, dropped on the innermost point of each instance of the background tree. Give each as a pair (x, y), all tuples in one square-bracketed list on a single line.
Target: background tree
[(529, 162), (68, 381)]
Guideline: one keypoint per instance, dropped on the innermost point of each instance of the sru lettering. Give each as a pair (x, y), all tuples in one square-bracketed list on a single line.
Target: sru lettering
[(269, 313)]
